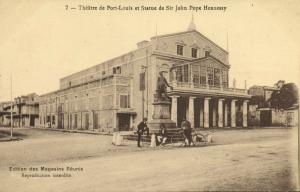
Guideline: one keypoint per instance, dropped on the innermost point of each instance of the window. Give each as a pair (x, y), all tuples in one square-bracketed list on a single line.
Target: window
[(203, 75), (194, 52), (210, 74), (225, 79), (203, 80), (185, 73), (207, 53), (217, 77), (124, 101), (179, 74), (195, 73), (117, 70), (179, 50)]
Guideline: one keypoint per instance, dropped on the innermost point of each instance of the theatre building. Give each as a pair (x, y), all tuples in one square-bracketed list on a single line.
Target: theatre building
[(118, 93)]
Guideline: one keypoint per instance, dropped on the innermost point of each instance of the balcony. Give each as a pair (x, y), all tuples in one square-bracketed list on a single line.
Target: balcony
[(206, 89)]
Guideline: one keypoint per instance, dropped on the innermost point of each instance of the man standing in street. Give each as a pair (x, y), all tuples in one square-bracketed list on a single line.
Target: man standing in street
[(141, 128), (187, 131)]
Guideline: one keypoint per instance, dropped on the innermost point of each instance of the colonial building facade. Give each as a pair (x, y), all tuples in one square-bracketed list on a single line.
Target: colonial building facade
[(118, 93), (25, 111)]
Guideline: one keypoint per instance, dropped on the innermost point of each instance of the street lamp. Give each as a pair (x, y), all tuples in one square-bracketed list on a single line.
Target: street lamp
[(11, 109)]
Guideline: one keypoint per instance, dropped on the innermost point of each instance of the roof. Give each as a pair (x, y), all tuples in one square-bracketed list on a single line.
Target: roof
[(264, 87), (296, 106), (189, 31), (270, 88)]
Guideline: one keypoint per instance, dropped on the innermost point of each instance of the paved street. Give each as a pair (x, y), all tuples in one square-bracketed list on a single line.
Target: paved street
[(259, 159)]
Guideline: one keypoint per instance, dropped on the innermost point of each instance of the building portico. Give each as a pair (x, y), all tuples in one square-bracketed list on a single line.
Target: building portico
[(208, 111), (202, 95)]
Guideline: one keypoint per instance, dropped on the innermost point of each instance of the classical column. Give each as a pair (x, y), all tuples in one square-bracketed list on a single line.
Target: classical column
[(220, 112), (201, 114), (245, 113), (56, 121), (174, 108), (225, 114), (130, 122), (191, 111), (233, 113), (114, 122), (206, 112), (214, 114)]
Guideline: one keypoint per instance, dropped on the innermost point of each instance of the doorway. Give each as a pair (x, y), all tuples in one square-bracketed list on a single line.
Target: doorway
[(31, 121), (123, 122), (95, 121), (86, 121), (265, 118)]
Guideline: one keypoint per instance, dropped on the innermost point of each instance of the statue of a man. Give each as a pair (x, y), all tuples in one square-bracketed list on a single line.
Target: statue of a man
[(161, 87)]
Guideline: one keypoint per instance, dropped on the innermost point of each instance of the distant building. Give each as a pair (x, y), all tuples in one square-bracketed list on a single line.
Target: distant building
[(263, 114), (264, 91), (118, 93), (25, 111), (4, 112)]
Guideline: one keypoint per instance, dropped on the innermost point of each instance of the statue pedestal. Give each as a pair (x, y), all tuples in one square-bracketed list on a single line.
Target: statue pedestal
[(161, 116)]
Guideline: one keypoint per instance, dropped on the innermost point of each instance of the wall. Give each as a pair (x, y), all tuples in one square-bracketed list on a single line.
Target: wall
[(278, 118), (292, 117)]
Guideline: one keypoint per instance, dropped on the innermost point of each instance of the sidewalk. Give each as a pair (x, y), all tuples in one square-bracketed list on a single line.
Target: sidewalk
[(73, 131), (6, 137)]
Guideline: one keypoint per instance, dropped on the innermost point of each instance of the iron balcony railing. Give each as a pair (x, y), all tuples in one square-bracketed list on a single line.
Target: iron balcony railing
[(208, 88)]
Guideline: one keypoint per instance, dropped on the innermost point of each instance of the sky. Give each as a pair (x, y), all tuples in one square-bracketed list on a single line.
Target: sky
[(41, 41)]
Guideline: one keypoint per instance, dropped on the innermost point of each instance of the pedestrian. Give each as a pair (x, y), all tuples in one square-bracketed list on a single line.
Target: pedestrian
[(187, 132), (162, 135), (142, 127)]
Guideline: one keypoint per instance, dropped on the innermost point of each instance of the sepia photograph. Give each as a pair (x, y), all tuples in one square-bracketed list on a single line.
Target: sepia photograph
[(120, 95)]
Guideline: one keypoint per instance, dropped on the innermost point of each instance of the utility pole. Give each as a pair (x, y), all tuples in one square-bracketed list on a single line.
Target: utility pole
[(147, 73), (11, 109), (143, 100)]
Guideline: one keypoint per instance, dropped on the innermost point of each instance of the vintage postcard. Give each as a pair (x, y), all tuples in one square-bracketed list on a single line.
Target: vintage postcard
[(161, 95)]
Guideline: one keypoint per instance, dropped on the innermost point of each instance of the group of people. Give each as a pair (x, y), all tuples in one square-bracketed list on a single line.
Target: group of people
[(161, 137)]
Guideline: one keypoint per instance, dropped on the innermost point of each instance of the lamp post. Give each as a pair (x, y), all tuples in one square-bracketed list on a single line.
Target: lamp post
[(11, 109)]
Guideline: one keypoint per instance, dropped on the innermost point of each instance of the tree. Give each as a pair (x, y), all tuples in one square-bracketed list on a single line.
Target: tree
[(286, 97)]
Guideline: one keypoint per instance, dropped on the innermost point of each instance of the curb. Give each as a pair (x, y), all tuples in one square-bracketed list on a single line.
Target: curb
[(7, 139)]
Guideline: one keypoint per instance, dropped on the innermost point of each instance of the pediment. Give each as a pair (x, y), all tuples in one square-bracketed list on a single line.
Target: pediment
[(212, 60)]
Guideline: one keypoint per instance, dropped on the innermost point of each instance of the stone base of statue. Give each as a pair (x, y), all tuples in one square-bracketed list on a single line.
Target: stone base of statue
[(161, 116)]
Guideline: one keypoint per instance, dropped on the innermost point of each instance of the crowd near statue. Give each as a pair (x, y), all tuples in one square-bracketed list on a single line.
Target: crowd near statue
[(161, 88)]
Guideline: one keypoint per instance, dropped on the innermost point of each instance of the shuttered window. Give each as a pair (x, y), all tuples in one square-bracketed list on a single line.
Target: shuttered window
[(124, 101)]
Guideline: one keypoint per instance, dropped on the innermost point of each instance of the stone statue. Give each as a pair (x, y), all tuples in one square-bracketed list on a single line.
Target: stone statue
[(161, 88)]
